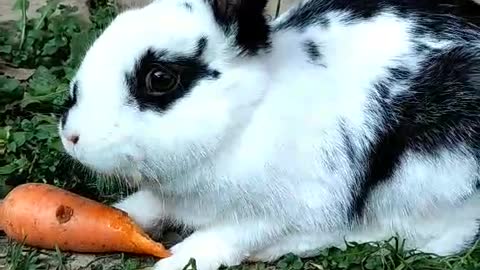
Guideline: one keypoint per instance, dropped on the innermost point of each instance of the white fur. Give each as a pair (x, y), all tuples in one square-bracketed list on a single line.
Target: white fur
[(245, 159)]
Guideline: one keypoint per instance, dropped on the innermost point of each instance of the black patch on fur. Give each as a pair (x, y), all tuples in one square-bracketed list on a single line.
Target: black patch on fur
[(445, 18), (247, 18), (313, 51), (383, 89), (188, 6), (69, 103), (192, 70), (400, 73), (314, 13), (440, 110), (421, 48)]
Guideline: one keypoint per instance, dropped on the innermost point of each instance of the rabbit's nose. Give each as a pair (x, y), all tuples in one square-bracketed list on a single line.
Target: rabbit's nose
[(73, 138)]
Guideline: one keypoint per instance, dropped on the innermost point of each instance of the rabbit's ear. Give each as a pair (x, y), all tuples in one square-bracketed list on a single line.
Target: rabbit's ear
[(252, 31)]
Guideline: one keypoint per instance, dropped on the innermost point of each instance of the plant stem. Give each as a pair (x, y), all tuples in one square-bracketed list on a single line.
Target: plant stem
[(23, 23)]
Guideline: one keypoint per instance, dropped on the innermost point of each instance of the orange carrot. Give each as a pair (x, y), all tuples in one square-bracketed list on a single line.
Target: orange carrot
[(45, 216)]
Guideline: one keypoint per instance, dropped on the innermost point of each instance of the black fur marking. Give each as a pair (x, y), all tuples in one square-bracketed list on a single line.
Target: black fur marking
[(313, 51), (348, 144), (440, 110), (421, 48), (190, 68), (72, 99), (63, 119), (69, 103), (383, 89), (201, 46), (400, 73), (462, 18), (314, 13), (188, 6), (397, 76), (247, 20)]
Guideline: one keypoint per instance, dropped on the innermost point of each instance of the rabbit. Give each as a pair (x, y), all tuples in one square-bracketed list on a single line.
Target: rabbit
[(339, 121)]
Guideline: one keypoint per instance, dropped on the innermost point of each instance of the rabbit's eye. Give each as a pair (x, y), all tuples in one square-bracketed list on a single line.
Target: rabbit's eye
[(160, 81)]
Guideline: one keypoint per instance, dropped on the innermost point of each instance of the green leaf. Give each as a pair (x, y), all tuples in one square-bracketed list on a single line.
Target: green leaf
[(5, 133), (78, 46), (45, 12), (22, 162), (53, 45), (21, 5), (26, 124), (6, 48), (42, 134), (12, 147), (43, 82), (19, 138), (56, 145), (8, 169), (8, 85), (28, 99), (297, 264), (42, 118)]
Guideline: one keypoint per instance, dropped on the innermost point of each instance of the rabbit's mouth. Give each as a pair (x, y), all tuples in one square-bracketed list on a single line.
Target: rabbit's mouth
[(106, 159)]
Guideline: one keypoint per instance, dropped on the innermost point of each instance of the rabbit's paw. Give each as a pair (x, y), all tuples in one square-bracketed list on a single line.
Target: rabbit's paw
[(205, 251)]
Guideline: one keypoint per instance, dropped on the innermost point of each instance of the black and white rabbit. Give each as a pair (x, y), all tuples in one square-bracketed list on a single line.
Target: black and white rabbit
[(340, 120)]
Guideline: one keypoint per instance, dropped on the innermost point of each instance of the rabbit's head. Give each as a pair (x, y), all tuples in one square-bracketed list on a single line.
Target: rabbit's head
[(164, 85)]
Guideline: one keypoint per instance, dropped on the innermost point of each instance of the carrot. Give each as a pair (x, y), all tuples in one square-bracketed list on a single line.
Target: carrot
[(45, 216)]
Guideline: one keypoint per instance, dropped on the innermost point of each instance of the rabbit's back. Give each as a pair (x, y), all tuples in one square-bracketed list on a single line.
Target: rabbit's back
[(372, 110)]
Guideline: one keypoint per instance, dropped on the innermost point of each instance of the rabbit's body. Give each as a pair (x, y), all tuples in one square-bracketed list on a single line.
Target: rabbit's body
[(349, 121)]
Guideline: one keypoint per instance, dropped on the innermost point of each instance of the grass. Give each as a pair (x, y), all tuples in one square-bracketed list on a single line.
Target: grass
[(21, 258), (38, 57), (388, 255)]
